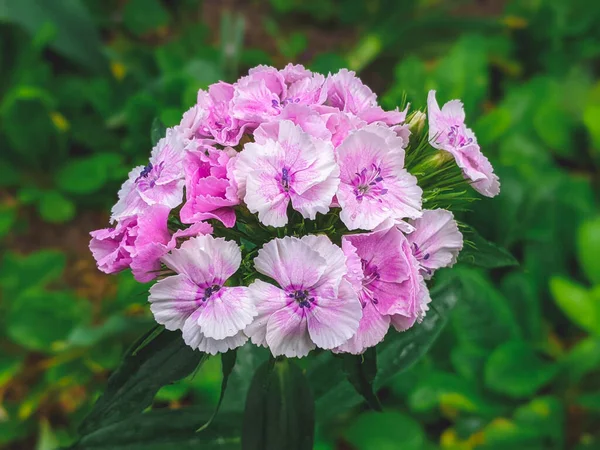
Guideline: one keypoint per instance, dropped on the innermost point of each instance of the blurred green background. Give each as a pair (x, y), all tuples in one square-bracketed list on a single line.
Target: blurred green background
[(81, 83)]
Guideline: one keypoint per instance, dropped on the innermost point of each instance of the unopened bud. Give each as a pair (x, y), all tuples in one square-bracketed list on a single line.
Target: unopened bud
[(416, 122)]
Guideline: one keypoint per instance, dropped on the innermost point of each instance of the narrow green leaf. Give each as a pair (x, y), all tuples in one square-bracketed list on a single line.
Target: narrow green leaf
[(227, 364), (279, 409), (132, 387), (165, 429), (361, 371), (386, 431), (480, 252)]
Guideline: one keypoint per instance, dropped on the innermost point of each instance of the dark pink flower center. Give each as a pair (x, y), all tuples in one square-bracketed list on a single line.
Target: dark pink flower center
[(368, 183)]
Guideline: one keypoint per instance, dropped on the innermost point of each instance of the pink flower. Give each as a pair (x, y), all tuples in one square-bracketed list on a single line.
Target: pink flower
[(211, 315), (436, 240), (314, 306), (306, 117), (139, 242), (390, 288), (348, 93), (374, 186), (217, 121), (293, 167), (112, 247), (159, 183), (339, 123), (265, 92), (447, 131), (208, 189)]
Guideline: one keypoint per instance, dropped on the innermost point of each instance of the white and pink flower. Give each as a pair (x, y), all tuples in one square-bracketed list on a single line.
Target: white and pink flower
[(312, 305), (374, 185), (197, 301), (447, 131)]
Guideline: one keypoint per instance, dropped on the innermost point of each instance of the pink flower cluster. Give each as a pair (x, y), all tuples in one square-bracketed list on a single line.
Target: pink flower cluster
[(281, 210)]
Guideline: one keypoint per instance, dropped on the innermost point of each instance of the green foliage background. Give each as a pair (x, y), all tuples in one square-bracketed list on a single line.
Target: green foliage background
[(518, 365)]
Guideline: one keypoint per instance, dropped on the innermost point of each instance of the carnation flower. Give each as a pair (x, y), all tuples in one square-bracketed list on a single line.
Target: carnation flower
[(159, 183), (139, 242), (289, 166), (436, 240), (196, 300), (217, 121), (314, 305), (265, 92), (209, 191), (391, 290), (374, 186), (447, 131)]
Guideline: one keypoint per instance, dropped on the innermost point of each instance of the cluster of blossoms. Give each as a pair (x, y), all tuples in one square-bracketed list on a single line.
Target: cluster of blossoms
[(283, 209)]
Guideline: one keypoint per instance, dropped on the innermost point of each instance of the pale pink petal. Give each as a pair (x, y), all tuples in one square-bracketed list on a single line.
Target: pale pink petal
[(192, 336), (331, 322), (267, 299), (173, 300), (265, 197), (205, 259), (290, 262), (336, 260), (372, 329), (287, 333), (226, 313), (436, 240)]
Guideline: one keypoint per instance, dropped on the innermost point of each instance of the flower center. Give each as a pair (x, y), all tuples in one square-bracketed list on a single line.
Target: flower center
[(418, 253), (302, 297), (209, 291), (285, 179), (145, 171), (368, 183), (370, 274), (456, 138)]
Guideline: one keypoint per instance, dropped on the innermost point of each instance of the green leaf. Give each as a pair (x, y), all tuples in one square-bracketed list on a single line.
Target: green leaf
[(482, 317), (132, 387), (480, 252), (227, 365), (157, 131), (361, 371), (588, 249), (279, 409), (77, 37), (583, 357), (9, 174), (577, 303), (38, 320), (165, 429), (55, 207), (87, 175), (144, 16), (515, 370), (520, 291), (385, 431)]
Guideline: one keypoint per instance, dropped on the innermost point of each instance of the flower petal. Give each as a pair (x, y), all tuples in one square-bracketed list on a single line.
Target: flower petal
[(173, 300), (226, 313), (287, 333)]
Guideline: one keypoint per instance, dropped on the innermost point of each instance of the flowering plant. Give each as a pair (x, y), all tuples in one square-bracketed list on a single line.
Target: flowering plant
[(291, 210)]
